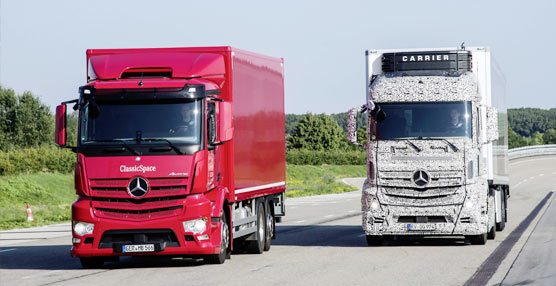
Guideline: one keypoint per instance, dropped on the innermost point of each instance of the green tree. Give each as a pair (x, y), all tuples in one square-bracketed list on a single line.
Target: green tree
[(317, 132), (515, 140), (549, 137), (34, 122), (8, 104)]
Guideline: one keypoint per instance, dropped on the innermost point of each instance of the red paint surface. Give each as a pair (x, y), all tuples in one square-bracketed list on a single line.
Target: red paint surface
[(189, 184)]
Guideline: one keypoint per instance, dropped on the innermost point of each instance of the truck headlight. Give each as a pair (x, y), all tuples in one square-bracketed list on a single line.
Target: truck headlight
[(195, 226), (83, 228)]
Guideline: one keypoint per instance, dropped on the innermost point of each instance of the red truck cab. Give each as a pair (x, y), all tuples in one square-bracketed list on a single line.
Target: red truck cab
[(180, 152)]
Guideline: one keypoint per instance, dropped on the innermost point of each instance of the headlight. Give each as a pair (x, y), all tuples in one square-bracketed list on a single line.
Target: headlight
[(195, 226), (83, 228)]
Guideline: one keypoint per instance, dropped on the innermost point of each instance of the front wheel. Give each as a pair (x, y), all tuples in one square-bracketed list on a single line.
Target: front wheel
[(480, 239), (224, 243)]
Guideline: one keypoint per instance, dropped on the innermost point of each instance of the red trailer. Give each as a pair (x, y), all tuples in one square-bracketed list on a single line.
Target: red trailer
[(180, 152)]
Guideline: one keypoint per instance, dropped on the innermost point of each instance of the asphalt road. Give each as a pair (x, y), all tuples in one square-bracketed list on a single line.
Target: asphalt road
[(321, 242)]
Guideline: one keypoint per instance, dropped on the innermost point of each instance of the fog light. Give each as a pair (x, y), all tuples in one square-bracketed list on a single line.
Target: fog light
[(203, 237), (83, 228), (195, 226), (76, 240)]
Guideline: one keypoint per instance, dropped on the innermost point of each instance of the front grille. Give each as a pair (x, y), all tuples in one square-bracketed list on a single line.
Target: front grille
[(110, 198), (138, 236), (422, 219)]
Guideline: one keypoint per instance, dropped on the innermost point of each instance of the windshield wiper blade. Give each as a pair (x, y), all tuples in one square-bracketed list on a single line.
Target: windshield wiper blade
[(120, 141), (454, 148), (413, 145), (163, 140)]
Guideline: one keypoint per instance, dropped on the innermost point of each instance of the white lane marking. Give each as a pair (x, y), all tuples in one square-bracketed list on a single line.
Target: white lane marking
[(6, 250), (300, 221), (531, 178), (41, 274), (351, 211), (327, 216), (540, 175)]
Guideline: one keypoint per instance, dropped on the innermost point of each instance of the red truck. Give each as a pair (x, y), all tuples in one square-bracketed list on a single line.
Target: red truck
[(180, 152)]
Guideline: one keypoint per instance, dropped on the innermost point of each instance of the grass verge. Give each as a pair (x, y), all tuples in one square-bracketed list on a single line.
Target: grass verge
[(308, 180), (49, 194)]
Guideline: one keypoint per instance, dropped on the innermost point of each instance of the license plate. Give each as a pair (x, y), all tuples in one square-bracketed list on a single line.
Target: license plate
[(138, 248), (421, 226)]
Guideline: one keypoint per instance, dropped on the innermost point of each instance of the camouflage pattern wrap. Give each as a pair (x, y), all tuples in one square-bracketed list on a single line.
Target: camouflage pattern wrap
[(456, 200)]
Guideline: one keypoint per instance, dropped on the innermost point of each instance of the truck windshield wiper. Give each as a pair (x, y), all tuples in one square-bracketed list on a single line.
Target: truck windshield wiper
[(163, 140), (411, 144), (120, 141), (454, 148)]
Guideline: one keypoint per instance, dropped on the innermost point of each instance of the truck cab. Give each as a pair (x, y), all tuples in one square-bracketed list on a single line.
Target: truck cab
[(155, 172), (436, 146)]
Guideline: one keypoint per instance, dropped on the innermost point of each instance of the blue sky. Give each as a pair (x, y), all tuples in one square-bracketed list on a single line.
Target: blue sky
[(43, 43)]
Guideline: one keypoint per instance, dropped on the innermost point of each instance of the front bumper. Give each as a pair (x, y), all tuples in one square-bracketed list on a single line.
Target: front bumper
[(196, 206)]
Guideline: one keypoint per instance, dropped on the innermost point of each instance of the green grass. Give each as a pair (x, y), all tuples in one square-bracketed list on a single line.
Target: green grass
[(49, 194), (308, 180)]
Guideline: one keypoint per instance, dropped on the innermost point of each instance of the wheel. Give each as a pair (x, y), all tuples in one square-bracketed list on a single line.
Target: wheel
[(224, 243), (91, 262), (502, 224), (374, 240), (257, 246), (269, 233), (492, 233), (480, 239)]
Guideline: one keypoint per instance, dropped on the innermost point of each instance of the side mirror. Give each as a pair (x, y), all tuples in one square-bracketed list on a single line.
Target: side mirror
[(225, 126), (380, 115), (60, 130), (352, 126), (491, 124)]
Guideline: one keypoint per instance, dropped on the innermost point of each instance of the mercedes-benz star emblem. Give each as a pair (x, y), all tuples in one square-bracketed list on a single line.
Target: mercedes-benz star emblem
[(421, 178), (138, 187)]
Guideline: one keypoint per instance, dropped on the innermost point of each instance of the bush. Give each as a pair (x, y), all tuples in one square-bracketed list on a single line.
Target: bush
[(36, 159), (310, 157)]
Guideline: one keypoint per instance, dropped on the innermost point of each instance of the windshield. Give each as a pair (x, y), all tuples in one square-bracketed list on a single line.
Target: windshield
[(177, 122), (421, 120)]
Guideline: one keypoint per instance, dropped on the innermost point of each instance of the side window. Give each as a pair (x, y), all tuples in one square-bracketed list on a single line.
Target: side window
[(211, 123)]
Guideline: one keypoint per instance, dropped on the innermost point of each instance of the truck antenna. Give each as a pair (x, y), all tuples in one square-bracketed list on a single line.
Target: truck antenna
[(462, 46)]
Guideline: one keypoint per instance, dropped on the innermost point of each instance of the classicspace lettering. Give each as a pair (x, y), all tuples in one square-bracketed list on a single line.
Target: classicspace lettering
[(140, 168)]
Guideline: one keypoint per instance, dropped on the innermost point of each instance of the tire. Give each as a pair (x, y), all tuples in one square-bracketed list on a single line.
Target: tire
[(480, 239), (500, 226), (257, 246), (224, 243), (374, 240), (91, 262), (269, 227), (492, 233)]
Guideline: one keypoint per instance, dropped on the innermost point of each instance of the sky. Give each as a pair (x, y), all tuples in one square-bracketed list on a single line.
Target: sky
[(43, 43)]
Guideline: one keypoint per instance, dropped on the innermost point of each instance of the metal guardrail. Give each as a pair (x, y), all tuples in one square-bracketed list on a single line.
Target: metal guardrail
[(531, 151)]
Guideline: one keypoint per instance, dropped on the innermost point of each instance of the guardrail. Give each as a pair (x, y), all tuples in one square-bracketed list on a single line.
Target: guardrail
[(530, 151)]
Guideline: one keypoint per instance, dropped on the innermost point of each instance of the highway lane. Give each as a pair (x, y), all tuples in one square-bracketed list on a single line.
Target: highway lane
[(320, 241)]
